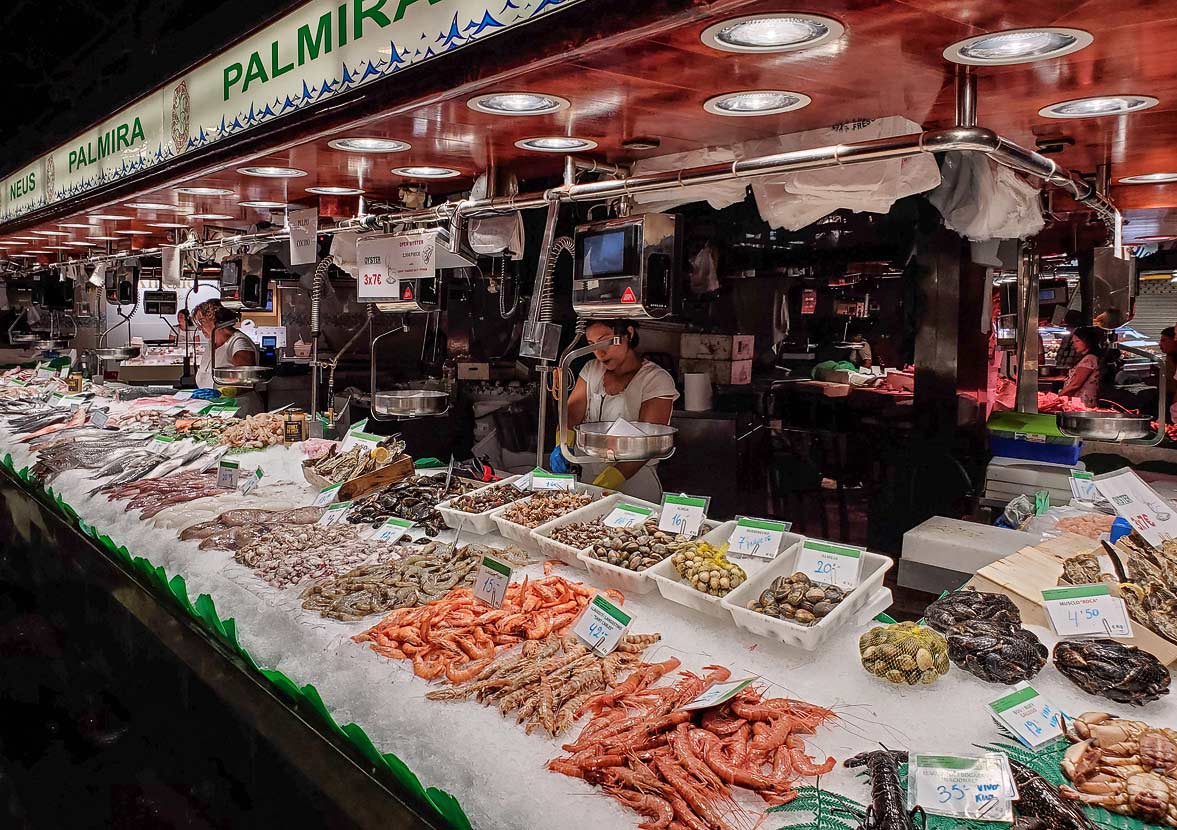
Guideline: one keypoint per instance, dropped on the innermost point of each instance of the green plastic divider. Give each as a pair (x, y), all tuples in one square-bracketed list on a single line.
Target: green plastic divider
[(886, 619)]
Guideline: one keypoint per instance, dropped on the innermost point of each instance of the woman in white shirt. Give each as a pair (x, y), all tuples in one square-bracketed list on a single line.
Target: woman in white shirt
[(1083, 378), (619, 383), (227, 345)]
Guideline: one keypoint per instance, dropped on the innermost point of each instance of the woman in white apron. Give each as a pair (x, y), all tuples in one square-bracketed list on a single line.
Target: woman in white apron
[(619, 383), (227, 346)]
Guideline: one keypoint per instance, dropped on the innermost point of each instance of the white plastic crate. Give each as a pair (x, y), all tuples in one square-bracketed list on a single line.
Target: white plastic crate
[(673, 588), (521, 534), (480, 523), (567, 554)]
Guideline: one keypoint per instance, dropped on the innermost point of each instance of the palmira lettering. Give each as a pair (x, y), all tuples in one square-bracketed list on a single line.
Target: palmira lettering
[(331, 30), (111, 141)]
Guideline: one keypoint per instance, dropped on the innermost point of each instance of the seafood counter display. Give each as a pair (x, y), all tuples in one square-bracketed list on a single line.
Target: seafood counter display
[(510, 706)]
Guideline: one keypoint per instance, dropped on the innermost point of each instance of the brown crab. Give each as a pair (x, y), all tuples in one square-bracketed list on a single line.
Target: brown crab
[(1143, 795), (1105, 740)]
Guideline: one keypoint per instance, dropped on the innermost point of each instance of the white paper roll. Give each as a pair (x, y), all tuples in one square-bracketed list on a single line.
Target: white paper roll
[(697, 387)]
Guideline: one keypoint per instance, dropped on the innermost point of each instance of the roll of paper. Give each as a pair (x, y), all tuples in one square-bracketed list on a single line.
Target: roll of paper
[(697, 389)]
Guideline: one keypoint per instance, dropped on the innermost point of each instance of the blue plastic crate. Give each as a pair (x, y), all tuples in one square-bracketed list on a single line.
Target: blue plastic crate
[(1035, 451)]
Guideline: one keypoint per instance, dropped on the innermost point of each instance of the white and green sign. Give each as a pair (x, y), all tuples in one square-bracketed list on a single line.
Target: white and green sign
[(829, 563), (758, 538), (683, 514), (1085, 611)]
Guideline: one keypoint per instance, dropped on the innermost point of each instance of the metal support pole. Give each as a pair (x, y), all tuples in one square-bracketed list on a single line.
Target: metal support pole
[(1027, 394), (966, 97)]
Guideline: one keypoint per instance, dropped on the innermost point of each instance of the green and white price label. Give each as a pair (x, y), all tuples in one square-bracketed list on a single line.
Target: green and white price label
[(719, 693), (1083, 486), (228, 472), (327, 495), (43, 371), (183, 395), (758, 538), (335, 513), (1086, 611), (1028, 716), (601, 625), (250, 482), (392, 530), (543, 480), (222, 412), (683, 514), (359, 438), (979, 787), (627, 515), (63, 372), (829, 563), (490, 585), (99, 418), (161, 443)]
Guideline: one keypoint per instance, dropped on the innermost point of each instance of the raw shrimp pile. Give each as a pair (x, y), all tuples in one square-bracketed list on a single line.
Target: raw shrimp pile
[(549, 681), (455, 635), (678, 766)]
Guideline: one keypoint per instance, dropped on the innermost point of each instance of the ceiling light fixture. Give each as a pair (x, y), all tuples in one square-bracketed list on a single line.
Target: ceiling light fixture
[(1098, 105), (756, 102), (205, 191), (26, 238), (37, 252), (518, 103), (773, 32), (51, 233), (58, 247), (20, 256), (152, 206), (1018, 46), (269, 205), (106, 238), (165, 225), (334, 190), (11, 244), (272, 172), (1145, 178), (81, 244), (1156, 238), (426, 172), (71, 225), (556, 144), (112, 217), (212, 215), (369, 145), (134, 233)]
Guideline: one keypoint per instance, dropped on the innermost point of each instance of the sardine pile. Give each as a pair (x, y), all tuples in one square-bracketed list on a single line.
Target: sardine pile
[(290, 554)]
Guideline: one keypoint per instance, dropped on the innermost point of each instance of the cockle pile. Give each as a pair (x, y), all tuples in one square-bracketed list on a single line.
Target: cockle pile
[(678, 766), (551, 681)]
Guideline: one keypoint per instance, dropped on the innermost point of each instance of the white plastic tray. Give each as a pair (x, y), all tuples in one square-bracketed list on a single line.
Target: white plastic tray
[(567, 554), (481, 523), (808, 637), (521, 534), (672, 587)]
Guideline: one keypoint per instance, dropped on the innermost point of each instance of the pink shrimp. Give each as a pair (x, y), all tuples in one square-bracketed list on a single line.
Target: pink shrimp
[(802, 763)]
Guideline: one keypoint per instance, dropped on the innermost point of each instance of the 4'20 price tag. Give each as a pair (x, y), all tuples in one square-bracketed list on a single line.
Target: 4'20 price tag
[(1028, 716), (683, 514), (490, 585), (832, 564), (758, 538), (1086, 610), (627, 515), (963, 786), (602, 625)]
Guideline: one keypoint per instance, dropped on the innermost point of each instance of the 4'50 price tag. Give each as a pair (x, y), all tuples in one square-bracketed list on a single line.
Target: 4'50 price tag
[(627, 515), (490, 585), (963, 786), (683, 514), (602, 625), (829, 563), (1086, 610), (1028, 716), (758, 538), (228, 472)]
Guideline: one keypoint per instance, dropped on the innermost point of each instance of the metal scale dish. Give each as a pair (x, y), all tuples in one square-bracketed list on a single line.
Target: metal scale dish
[(51, 345), (1105, 426), (410, 403), (26, 339), (117, 353), (593, 439), (243, 375)]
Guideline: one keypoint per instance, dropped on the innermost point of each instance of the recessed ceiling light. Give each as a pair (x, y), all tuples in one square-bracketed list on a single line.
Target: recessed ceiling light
[(134, 233), (11, 244), (20, 256), (71, 225), (81, 244), (272, 172), (1155, 238), (426, 172), (556, 144), (58, 247), (518, 103), (51, 233), (106, 238), (773, 32), (1145, 178), (756, 102), (369, 145), (212, 215), (25, 238), (152, 206), (334, 190), (37, 252), (112, 217), (1098, 105), (1017, 46), (204, 191), (270, 205), (163, 225)]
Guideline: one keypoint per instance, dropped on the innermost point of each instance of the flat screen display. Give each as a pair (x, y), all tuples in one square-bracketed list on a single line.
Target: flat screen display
[(604, 254)]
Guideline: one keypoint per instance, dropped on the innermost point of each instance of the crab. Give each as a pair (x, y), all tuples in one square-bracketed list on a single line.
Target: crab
[(1105, 740), (1143, 795)]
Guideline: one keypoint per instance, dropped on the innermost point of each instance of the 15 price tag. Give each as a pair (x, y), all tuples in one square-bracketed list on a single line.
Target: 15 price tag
[(627, 515), (719, 693), (1086, 610), (683, 514), (250, 482), (327, 495), (228, 472), (543, 480), (490, 585), (829, 563), (392, 530), (601, 625), (1028, 716), (963, 786), (335, 513), (758, 538), (1083, 486)]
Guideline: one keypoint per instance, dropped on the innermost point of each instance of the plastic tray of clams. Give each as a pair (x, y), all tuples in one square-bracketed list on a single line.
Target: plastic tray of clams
[(517, 520)]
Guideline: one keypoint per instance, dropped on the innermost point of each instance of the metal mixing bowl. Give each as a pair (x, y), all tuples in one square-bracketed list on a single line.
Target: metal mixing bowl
[(242, 375), (593, 439), (1104, 426), (410, 403), (117, 353)]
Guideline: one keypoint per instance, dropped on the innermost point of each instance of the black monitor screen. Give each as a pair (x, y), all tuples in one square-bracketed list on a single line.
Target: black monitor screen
[(604, 254)]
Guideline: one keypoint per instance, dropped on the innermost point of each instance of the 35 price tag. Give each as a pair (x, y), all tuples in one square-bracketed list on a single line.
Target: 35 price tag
[(963, 786), (1086, 610), (392, 530), (719, 693), (335, 513), (228, 472), (829, 563), (250, 482), (543, 480), (1083, 486), (601, 625), (1028, 716), (627, 515), (758, 538), (490, 585), (683, 514)]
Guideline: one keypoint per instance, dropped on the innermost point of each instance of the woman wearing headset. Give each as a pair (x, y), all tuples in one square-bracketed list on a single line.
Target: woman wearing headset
[(619, 383)]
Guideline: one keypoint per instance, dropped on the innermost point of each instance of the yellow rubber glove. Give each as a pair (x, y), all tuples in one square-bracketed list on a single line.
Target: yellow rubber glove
[(610, 478), (567, 438)]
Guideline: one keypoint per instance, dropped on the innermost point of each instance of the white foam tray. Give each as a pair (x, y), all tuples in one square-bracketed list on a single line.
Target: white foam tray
[(567, 554), (673, 588), (481, 523)]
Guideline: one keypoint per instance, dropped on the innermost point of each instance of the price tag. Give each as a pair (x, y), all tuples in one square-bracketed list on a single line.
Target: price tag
[(392, 530), (719, 693), (963, 786), (1086, 610), (222, 412), (543, 480), (63, 373), (99, 418), (758, 538), (1083, 486), (335, 513), (327, 495), (523, 482), (356, 438), (627, 515), (829, 563), (1028, 716), (184, 395), (228, 472), (683, 514), (250, 483), (210, 460), (376, 256), (1146, 510), (161, 444), (490, 585), (43, 372), (601, 625)]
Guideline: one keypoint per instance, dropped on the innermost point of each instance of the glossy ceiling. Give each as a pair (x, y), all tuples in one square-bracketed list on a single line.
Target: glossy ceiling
[(888, 62)]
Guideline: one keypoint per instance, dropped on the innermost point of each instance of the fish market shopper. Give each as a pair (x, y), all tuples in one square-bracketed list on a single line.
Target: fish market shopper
[(619, 383)]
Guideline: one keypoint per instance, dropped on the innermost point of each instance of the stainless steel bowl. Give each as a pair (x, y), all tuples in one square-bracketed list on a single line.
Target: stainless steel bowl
[(1104, 426), (242, 375), (410, 403), (51, 345), (25, 338), (117, 353), (593, 439)]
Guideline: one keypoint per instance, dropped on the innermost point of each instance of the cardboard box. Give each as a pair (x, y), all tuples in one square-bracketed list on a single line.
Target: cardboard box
[(728, 372), (717, 346), (473, 371)]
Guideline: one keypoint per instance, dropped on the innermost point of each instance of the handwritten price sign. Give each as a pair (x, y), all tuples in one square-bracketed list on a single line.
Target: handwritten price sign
[(490, 585), (602, 625), (1086, 610), (964, 786), (683, 514), (832, 564), (1028, 716)]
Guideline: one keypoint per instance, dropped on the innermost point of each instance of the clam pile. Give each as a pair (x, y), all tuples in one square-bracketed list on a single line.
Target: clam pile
[(798, 599), (636, 548), (489, 498), (904, 652), (706, 568), (545, 506)]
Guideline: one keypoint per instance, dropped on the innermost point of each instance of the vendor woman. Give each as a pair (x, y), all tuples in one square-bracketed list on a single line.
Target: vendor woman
[(1083, 378), (619, 383), (228, 346)]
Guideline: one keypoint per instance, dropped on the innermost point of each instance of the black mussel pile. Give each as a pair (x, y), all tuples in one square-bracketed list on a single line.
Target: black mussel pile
[(414, 499), (1123, 673), (985, 636)]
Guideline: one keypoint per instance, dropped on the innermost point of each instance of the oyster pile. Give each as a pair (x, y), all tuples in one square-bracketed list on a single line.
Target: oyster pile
[(904, 652), (798, 599), (1105, 667)]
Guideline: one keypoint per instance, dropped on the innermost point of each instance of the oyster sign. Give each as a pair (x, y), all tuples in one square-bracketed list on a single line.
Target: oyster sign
[(322, 49)]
